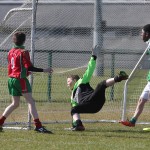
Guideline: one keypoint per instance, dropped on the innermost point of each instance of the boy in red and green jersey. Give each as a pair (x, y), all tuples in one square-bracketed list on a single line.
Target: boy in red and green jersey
[(85, 99), (19, 67), (18, 62)]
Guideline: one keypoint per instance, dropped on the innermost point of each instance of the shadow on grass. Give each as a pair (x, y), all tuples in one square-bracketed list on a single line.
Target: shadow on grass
[(114, 133)]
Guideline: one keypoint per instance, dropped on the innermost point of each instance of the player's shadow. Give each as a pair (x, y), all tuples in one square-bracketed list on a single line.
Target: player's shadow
[(135, 134), (121, 133)]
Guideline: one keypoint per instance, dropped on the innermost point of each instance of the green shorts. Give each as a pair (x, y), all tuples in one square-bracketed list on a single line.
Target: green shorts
[(18, 86)]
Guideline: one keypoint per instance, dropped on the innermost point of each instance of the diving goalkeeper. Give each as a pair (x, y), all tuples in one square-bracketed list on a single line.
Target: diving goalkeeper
[(84, 99)]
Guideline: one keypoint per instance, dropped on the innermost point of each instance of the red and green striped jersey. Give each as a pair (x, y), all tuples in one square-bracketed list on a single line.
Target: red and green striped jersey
[(18, 62)]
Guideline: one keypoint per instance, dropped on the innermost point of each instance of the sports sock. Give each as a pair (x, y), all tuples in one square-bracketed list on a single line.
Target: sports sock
[(37, 123), (2, 119), (74, 123), (133, 120)]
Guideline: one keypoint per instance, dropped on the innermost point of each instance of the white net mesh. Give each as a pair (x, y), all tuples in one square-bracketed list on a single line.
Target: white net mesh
[(138, 80), (16, 19)]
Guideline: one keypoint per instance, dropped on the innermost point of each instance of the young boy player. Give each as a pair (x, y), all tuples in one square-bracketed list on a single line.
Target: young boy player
[(85, 99)]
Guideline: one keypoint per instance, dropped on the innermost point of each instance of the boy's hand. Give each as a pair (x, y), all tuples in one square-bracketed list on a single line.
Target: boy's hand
[(48, 70), (95, 50)]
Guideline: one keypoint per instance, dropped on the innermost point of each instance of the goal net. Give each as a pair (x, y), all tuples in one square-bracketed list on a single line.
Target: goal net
[(64, 39), (134, 86)]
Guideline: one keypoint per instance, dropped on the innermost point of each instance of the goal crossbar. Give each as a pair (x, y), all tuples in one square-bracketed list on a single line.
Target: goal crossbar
[(8, 15)]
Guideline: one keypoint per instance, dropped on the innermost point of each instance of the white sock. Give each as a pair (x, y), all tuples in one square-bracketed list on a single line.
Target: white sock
[(76, 116)]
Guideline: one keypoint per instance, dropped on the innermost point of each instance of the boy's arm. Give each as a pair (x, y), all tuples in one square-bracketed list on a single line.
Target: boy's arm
[(90, 69), (91, 66), (27, 64), (34, 69)]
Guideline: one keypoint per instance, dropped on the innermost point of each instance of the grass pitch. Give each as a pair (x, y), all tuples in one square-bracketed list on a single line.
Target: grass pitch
[(97, 136)]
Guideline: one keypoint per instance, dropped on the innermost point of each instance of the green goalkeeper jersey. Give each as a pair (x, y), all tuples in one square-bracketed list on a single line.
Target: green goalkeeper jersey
[(82, 87)]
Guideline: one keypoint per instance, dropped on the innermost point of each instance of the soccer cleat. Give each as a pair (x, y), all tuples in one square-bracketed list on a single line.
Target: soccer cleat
[(77, 125), (78, 128), (127, 123), (42, 130), (122, 76)]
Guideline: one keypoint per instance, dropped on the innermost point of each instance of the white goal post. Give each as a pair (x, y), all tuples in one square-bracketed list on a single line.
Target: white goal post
[(27, 124), (125, 99)]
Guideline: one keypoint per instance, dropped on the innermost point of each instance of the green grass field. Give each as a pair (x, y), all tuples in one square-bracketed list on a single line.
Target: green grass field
[(98, 136)]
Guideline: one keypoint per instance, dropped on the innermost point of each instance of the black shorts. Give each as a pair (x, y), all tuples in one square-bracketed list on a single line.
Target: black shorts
[(95, 101)]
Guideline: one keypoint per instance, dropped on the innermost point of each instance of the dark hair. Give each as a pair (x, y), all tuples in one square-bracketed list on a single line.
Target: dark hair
[(19, 38), (74, 77), (146, 28)]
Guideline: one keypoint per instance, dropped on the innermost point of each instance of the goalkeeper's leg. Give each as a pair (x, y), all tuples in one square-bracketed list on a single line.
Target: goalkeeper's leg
[(121, 76)]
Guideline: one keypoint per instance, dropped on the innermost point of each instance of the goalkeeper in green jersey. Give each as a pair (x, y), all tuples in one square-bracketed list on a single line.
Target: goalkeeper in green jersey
[(145, 96), (84, 99)]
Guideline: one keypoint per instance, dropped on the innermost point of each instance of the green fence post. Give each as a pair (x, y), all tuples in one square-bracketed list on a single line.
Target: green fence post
[(49, 77), (112, 74)]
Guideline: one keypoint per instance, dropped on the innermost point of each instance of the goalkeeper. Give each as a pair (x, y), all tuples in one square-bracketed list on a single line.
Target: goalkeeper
[(19, 67), (84, 99)]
